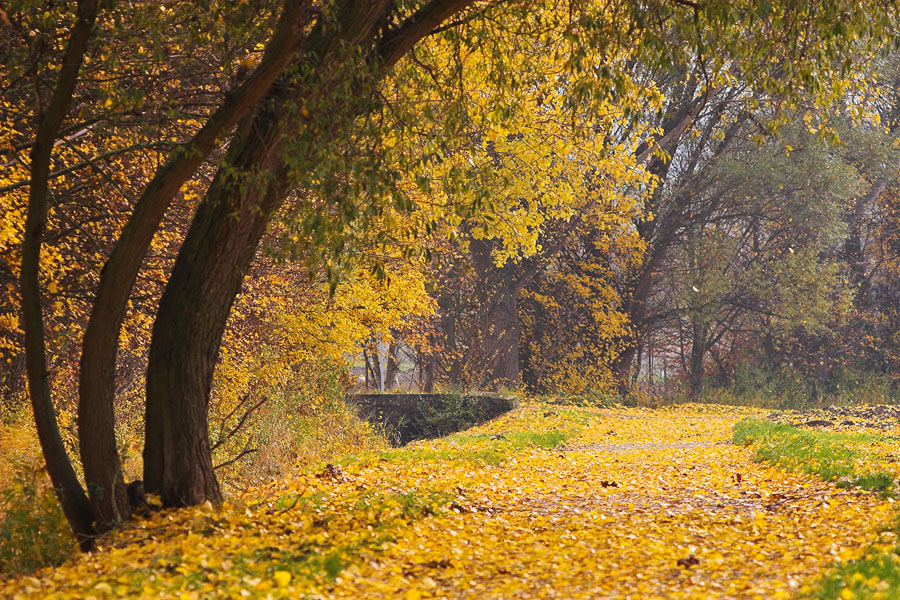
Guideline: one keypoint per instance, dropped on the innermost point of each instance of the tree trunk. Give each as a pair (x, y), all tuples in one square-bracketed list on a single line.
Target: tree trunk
[(222, 241), (68, 489), (393, 367), (187, 332), (698, 353), (374, 365), (96, 413), (492, 359), (428, 386), (636, 309), (448, 308)]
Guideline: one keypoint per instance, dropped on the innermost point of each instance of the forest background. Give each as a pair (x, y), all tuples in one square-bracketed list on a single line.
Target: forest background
[(644, 200)]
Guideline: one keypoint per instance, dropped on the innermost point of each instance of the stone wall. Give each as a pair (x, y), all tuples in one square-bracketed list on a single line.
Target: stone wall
[(408, 417)]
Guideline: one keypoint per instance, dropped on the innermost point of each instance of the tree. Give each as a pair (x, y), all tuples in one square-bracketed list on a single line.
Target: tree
[(347, 51), (68, 488), (109, 503), (97, 380)]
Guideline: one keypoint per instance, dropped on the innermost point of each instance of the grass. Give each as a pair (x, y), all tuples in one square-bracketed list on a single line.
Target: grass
[(586, 400), (875, 576), (836, 457), (839, 457), (481, 448), (475, 448)]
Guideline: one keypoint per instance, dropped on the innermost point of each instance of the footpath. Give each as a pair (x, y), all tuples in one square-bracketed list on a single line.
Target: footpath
[(543, 502)]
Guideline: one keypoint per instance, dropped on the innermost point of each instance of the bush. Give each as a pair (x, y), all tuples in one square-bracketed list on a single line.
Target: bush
[(788, 388), (456, 412), (33, 529), (297, 427)]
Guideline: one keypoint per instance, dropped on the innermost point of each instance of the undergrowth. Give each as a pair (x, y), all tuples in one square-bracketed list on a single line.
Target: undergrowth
[(294, 428), (33, 529), (788, 388)]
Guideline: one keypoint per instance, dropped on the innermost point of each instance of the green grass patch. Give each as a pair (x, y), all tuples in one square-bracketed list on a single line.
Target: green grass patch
[(830, 456), (544, 439), (876, 576), (481, 448)]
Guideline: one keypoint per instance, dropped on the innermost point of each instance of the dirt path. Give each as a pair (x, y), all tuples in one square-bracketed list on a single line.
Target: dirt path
[(660, 506)]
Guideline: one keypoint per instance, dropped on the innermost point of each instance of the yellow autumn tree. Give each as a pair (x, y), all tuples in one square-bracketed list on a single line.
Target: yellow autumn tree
[(538, 159)]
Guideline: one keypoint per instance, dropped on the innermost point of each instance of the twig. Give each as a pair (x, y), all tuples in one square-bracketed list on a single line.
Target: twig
[(87, 163), (297, 499), (240, 423), (247, 450)]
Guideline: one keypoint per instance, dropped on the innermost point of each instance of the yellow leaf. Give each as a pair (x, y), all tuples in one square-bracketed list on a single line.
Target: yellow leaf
[(282, 578)]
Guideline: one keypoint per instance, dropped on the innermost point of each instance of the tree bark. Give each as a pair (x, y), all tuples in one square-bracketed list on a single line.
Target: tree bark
[(222, 241), (699, 333), (374, 364), (187, 332), (96, 414), (493, 354), (68, 489), (393, 366)]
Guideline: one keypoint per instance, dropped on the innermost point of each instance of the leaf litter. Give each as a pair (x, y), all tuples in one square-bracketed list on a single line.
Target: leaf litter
[(616, 503)]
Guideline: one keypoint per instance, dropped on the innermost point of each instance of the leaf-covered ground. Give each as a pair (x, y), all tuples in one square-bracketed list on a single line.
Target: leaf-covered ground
[(546, 502)]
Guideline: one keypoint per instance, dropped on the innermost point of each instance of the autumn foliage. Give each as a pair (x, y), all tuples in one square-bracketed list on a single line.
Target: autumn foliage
[(220, 222)]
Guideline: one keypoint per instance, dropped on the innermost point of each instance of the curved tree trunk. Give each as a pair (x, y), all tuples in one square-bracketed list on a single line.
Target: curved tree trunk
[(96, 416), (222, 241), (68, 489), (189, 325)]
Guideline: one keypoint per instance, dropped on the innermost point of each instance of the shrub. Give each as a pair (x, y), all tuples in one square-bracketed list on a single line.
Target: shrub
[(297, 426), (33, 529)]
